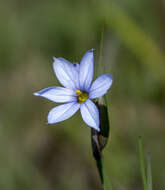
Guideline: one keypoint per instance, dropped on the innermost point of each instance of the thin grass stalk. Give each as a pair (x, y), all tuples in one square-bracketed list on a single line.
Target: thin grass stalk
[(99, 139), (149, 172), (142, 164), (101, 49)]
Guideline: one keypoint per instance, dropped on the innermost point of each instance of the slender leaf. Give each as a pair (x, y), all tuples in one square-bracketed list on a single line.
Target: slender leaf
[(100, 67), (142, 164), (99, 139), (149, 173)]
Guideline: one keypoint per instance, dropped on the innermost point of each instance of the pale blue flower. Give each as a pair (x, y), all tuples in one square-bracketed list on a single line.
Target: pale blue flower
[(78, 90)]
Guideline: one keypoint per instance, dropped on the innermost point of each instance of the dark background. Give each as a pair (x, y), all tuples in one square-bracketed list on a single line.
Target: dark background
[(36, 156)]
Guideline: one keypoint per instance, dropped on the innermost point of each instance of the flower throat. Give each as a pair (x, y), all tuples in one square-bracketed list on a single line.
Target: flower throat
[(82, 96)]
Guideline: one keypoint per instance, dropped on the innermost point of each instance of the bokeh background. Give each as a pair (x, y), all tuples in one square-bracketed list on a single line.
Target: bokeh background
[(36, 156)]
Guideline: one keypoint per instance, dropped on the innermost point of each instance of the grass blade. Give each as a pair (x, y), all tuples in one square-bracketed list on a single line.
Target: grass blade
[(142, 164), (99, 67), (99, 139), (149, 173)]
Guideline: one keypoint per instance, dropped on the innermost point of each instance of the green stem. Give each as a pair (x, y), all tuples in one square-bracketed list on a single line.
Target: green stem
[(100, 170)]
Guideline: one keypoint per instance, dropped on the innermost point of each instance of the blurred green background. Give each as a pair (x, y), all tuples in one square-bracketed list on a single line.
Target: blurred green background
[(36, 156)]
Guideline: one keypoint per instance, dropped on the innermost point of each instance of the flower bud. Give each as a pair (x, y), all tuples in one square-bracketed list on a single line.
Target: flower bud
[(99, 139)]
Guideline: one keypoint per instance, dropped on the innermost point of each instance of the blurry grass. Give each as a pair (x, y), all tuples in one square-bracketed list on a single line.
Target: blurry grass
[(17, 170), (146, 176), (136, 39), (31, 34), (142, 164), (149, 172), (99, 66)]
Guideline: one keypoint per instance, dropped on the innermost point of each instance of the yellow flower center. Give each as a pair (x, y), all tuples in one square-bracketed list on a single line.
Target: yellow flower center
[(82, 96)]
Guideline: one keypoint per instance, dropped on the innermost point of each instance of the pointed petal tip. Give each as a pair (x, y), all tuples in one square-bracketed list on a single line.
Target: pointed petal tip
[(54, 58), (97, 129), (36, 94), (107, 74), (111, 77), (49, 121), (91, 50)]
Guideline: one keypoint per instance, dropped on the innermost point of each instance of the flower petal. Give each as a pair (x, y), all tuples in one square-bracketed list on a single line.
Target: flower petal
[(62, 112), (86, 70), (57, 94), (90, 114), (77, 66), (66, 73), (100, 86)]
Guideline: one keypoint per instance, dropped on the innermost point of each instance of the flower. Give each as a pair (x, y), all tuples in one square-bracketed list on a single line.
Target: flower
[(78, 90)]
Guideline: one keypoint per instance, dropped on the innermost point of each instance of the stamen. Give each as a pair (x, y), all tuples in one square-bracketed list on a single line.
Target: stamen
[(78, 92), (82, 96)]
